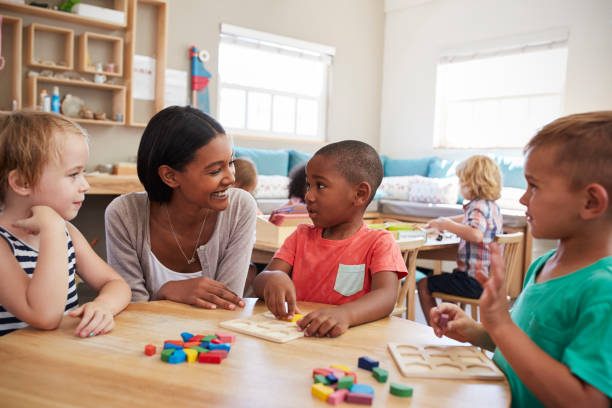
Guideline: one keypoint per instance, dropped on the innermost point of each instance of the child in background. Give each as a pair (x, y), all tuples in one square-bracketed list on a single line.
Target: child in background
[(338, 260), (245, 174), (297, 192), (480, 182), (554, 346), (42, 186)]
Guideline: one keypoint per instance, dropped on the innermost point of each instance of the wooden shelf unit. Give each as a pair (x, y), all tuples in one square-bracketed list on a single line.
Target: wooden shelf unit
[(63, 16), (84, 55), (17, 24), (31, 46)]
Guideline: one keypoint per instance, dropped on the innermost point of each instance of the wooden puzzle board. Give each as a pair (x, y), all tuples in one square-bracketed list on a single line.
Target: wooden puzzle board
[(429, 361), (265, 326)]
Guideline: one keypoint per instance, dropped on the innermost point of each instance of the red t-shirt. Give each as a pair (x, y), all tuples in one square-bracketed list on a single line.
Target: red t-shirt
[(338, 272)]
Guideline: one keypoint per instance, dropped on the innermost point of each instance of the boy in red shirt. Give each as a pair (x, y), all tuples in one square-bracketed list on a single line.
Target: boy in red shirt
[(338, 260)]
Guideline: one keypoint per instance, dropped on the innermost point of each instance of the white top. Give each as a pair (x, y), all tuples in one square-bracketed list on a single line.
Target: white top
[(160, 274)]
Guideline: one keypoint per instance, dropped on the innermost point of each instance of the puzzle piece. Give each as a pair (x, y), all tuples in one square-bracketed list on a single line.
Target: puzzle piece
[(380, 374), (345, 382), (321, 379), (177, 357), (400, 390), (443, 321), (210, 358), (265, 327), (191, 354), (358, 398), (321, 391), (428, 361), (150, 349), (186, 336), (362, 389), (341, 367), (337, 397), (367, 363), (226, 338)]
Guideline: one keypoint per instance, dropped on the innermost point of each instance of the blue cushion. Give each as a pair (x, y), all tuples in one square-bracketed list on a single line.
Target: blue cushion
[(512, 171), (296, 158), (268, 162), (441, 168), (406, 167)]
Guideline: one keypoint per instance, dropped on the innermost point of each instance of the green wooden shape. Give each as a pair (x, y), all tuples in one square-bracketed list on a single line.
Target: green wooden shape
[(200, 349), (400, 390), (209, 337), (165, 354), (380, 374), (345, 382), (321, 379)]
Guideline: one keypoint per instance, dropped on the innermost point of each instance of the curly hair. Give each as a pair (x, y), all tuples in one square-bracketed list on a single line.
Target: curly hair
[(482, 176)]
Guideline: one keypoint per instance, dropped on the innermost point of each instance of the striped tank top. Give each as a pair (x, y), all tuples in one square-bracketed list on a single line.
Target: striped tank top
[(27, 257)]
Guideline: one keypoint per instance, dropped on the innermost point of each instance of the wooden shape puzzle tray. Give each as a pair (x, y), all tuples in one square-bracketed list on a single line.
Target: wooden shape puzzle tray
[(429, 361), (265, 326)]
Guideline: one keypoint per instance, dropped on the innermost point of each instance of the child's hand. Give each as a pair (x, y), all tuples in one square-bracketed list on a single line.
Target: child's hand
[(278, 290), (440, 224), (330, 322), (42, 217), (493, 303), (96, 318), (459, 325)]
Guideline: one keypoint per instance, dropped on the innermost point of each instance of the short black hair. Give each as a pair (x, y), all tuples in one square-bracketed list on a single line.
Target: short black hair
[(297, 183), (172, 137), (356, 161)]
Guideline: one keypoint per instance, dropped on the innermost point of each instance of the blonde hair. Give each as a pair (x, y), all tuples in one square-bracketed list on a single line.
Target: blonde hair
[(246, 173), (481, 175), (28, 141), (584, 147)]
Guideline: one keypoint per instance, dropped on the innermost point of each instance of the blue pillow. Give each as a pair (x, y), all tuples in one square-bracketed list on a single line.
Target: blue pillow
[(512, 171), (406, 167), (268, 162), (441, 168), (296, 158)]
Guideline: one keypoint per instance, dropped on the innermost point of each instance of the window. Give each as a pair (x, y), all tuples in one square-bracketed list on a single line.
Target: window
[(500, 98), (272, 86)]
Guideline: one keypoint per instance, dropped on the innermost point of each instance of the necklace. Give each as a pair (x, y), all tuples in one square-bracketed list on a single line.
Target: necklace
[(192, 259)]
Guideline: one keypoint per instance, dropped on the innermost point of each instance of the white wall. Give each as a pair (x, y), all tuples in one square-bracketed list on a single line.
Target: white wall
[(417, 30)]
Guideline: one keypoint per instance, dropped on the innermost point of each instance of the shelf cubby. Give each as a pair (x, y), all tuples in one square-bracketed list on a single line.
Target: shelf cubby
[(109, 49), (35, 45), (10, 76)]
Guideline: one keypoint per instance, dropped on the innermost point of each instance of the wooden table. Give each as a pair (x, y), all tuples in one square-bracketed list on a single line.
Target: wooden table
[(55, 368)]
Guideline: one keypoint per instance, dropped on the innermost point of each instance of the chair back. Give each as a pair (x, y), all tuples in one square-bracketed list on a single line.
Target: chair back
[(512, 247), (405, 292)]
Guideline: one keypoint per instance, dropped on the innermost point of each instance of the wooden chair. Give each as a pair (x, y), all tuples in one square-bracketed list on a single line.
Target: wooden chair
[(405, 294), (512, 244)]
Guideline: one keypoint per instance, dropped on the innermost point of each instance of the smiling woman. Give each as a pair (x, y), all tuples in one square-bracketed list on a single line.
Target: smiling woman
[(189, 237)]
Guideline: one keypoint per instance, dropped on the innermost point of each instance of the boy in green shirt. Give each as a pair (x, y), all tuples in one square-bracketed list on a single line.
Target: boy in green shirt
[(555, 345)]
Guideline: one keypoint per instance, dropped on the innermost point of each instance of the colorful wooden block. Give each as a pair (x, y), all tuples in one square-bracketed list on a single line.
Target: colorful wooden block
[(186, 336), (209, 337), (216, 341), (321, 391), (357, 398), (210, 358), (336, 372), (322, 371), (192, 355), (380, 374), (362, 389), (223, 346), (200, 349), (341, 367), (321, 379), (400, 390), (352, 374), (331, 378), (173, 346), (197, 337), (367, 363), (165, 354), (150, 349), (190, 344), (337, 397), (177, 357), (345, 382), (222, 353), (226, 338), (294, 318), (204, 344), (443, 320), (177, 342)]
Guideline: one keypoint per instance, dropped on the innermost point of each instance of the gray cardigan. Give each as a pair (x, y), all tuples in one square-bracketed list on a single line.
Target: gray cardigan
[(224, 258)]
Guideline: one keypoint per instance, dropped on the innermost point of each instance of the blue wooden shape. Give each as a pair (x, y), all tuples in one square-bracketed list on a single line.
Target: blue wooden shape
[(186, 336), (223, 346), (362, 389), (172, 346), (205, 344), (177, 357), (367, 363), (331, 378)]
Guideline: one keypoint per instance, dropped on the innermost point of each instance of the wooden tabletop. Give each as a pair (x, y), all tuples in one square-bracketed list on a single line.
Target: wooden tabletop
[(55, 368)]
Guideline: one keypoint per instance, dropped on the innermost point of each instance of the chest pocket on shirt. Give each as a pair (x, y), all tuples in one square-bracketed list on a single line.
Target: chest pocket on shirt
[(349, 279)]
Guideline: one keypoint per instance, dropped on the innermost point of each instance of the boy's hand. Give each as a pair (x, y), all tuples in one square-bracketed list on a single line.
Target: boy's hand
[(330, 322), (493, 303), (459, 325), (278, 290), (96, 318), (201, 292), (42, 217)]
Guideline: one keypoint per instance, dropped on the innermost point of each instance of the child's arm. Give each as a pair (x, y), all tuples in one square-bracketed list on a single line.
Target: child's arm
[(39, 301), (275, 286), (465, 232), (549, 380), (113, 292), (334, 321), (460, 326)]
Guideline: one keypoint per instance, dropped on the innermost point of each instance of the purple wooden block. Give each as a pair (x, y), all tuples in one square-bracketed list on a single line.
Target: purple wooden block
[(443, 321), (337, 397), (357, 398)]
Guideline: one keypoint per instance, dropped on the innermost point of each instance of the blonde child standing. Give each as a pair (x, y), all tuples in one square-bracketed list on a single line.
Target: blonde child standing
[(554, 346), (42, 186), (480, 182), (338, 260)]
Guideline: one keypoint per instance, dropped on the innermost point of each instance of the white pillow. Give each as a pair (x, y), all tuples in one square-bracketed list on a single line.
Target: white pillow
[(434, 190), (396, 188), (510, 197), (272, 187)]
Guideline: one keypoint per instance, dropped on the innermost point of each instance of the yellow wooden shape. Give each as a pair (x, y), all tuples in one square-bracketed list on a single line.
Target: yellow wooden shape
[(321, 391), (341, 367), (192, 355), (294, 319)]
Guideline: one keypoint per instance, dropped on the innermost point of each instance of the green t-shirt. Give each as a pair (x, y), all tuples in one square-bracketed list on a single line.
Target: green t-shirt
[(570, 318)]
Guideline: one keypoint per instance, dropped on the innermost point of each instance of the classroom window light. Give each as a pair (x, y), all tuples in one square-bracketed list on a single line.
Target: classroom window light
[(272, 86), (499, 98)]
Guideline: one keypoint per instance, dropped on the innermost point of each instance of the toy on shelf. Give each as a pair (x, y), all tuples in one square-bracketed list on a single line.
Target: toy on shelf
[(200, 78)]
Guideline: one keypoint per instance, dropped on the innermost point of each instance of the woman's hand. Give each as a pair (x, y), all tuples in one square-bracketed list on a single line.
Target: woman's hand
[(96, 318), (201, 292), (329, 321)]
